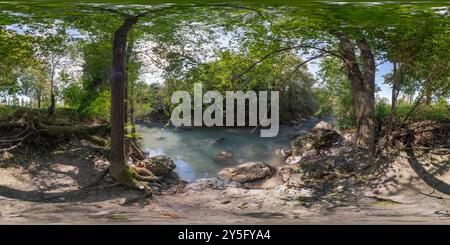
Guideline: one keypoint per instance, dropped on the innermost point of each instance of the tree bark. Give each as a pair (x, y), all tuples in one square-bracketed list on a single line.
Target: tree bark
[(39, 95), (51, 108), (132, 120), (127, 96), (367, 125), (119, 165), (396, 83), (363, 89)]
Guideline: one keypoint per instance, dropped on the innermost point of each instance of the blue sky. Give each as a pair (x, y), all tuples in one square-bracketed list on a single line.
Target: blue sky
[(382, 69), (385, 89)]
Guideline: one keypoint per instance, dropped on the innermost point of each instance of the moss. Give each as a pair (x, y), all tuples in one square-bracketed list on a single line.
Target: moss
[(300, 199), (119, 217), (127, 175)]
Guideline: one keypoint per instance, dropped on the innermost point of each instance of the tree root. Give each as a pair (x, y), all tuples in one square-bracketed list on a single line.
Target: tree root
[(93, 134), (137, 178), (134, 150)]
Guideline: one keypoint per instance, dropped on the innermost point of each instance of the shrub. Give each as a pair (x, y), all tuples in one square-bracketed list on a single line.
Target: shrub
[(99, 107)]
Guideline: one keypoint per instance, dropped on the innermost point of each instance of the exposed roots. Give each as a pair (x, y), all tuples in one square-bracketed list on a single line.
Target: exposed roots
[(134, 151), (137, 178), (9, 143)]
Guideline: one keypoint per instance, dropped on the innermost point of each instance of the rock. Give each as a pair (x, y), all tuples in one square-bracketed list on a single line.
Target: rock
[(246, 172), (283, 153), (288, 193), (309, 153), (217, 140), (161, 138), (300, 145), (223, 155), (212, 183), (322, 136), (330, 166), (323, 126), (290, 175), (160, 165), (293, 159)]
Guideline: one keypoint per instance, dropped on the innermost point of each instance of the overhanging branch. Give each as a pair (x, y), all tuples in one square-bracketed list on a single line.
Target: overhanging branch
[(324, 51), (303, 63)]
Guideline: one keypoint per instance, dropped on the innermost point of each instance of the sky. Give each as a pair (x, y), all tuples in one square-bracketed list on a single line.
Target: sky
[(382, 69)]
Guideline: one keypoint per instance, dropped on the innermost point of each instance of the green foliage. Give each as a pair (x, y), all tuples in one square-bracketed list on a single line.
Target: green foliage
[(16, 56), (150, 100), (73, 95), (415, 36), (229, 73), (6, 112), (436, 111), (382, 112), (99, 107), (334, 93)]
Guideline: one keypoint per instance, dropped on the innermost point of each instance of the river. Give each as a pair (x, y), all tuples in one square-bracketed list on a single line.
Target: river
[(196, 151)]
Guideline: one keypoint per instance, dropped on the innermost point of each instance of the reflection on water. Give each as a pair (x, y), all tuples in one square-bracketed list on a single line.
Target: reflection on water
[(202, 152)]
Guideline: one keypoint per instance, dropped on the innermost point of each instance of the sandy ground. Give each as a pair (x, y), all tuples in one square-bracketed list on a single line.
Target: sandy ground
[(44, 188)]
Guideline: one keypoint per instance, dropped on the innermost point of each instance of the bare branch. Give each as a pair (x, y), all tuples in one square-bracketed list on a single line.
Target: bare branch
[(303, 63), (333, 53)]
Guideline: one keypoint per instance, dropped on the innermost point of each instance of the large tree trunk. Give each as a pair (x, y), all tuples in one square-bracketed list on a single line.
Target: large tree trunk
[(128, 58), (119, 166), (51, 108), (363, 89), (132, 120)]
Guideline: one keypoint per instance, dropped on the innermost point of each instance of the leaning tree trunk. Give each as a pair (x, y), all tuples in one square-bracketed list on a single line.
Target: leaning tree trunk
[(39, 97), (51, 108), (119, 167), (363, 90)]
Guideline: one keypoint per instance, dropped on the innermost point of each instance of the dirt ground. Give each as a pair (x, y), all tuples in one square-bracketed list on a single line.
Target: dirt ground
[(45, 188)]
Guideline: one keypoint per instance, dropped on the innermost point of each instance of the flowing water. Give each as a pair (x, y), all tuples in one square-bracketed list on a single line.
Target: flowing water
[(196, 150)]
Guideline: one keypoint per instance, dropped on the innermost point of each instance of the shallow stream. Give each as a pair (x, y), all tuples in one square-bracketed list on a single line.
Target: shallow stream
[(203, 152)]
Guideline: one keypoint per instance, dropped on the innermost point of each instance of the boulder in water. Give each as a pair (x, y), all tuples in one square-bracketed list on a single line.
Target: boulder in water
[(246, 172), (293, 159), (283, 153), (160, 165), (223, 155)]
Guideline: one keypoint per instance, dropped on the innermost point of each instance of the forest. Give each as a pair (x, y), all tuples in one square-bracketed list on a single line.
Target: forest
[(85, 108)]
